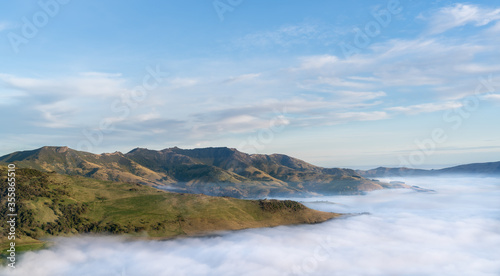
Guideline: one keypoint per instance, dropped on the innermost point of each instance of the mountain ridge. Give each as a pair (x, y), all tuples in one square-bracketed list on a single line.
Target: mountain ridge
[(213, 171), (484, 168)]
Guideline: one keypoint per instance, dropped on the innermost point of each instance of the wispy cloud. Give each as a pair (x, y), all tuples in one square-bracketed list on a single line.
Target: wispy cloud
[(243, 77), (425, 108), (446, 67), (362, 116), (283, 36), (317, 62), (86, 84), (57, 115), (460, 15), (473, 68), (64, 102), (493, 97), (360, 96)]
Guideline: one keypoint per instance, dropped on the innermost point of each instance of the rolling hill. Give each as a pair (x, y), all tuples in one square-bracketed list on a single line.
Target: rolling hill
[(213, 171), (51, 204)]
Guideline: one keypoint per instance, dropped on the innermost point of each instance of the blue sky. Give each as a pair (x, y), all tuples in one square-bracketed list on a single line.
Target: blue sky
[(336, 83)]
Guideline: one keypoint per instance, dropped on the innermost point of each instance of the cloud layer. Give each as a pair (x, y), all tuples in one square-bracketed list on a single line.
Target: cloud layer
[(452, 232)]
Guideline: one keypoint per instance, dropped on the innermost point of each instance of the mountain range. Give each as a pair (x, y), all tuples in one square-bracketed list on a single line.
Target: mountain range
[(213, 171), (485, 169), (61, 191)]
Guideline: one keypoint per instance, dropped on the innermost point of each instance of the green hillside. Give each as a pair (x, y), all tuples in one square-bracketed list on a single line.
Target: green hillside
[(51, 204), (107, 166)]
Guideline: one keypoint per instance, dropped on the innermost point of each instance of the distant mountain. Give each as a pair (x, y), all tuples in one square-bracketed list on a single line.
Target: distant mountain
[(475, 168), (387, 172), (213, 171), (491, 168)]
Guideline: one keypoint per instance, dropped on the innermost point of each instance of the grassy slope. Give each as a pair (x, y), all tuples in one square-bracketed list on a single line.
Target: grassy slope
[(53, 204), (109, 166), (225, 171)]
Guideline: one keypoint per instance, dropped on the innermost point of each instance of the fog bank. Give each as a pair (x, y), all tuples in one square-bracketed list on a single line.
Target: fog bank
[(455, 231)]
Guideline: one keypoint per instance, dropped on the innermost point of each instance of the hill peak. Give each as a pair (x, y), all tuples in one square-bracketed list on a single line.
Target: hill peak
[(138, 149), (58, 149), (207, 148)]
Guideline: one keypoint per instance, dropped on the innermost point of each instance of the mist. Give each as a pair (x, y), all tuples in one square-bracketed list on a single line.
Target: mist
[(455, 231)]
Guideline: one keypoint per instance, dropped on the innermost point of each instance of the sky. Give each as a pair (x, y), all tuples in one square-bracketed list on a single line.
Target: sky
[(355, 84), (448, 233)]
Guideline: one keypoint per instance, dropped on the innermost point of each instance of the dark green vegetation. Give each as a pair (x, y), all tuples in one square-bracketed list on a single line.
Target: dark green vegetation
[(485, 169), (51, 204), (211, 171), (274, 205)]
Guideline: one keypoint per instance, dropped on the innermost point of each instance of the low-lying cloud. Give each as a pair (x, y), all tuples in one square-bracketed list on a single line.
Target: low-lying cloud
[(455, 231)]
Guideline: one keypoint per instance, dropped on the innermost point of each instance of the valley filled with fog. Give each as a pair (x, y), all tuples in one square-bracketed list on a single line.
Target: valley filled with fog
[(454, 231)]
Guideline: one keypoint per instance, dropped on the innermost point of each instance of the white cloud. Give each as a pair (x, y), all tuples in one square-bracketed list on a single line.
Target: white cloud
[(359, 96), (148, 116), (58, 114), (362, 116), (244, 77), (474, 68), (492, 97), (239, 124), (494, 29), (340, 83), (297, 112), (461, 14), (86, 84), (66, 102), (317, 62), (404, 63), (447, 68), (425, 108), (246, 119)]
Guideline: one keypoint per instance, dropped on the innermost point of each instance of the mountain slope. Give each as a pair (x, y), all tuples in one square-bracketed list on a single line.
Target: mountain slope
[(212, 171), (255, 175), (51, 204), (106, 166)]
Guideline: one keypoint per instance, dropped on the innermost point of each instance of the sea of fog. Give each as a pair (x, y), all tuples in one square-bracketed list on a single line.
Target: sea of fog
[(455, 231)]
